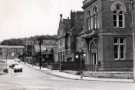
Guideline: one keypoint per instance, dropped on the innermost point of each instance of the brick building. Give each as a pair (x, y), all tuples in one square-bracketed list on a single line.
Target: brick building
[(64, 27), (67, 33), (107, 35)]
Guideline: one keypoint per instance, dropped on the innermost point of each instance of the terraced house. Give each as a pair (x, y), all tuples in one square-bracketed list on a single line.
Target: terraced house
[(107, 35)]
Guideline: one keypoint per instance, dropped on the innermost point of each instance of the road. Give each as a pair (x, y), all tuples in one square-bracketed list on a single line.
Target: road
[(32, 79)]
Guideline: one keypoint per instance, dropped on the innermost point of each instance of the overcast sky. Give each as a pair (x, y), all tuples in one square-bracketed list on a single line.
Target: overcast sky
[(23, 18)]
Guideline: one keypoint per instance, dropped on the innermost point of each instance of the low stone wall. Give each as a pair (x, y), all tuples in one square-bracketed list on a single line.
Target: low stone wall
[(119, 75)]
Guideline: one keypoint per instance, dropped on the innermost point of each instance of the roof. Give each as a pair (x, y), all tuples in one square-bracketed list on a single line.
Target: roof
[(86, 3), (64, 26), (44, 37)]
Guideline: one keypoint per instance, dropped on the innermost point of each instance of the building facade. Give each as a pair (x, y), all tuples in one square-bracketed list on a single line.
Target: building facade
[(10, 52), (63, 29), (48, 49), (43, 47), (67, 34), (107, 35), (132, 7), (76, 18)]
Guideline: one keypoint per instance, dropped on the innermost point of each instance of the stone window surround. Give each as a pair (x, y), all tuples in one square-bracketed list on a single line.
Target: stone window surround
[(117, 20), (92, 19), (119, 44), (122, 7)]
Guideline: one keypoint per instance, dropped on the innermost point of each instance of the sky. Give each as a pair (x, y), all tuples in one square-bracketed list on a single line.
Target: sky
[(24, 18)]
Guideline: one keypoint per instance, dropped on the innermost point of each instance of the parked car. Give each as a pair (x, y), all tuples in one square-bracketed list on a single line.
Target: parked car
[(18, 68), (13, 65)]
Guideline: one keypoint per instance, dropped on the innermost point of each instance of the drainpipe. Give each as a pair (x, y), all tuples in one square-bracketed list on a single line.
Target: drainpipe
[(133, 34)]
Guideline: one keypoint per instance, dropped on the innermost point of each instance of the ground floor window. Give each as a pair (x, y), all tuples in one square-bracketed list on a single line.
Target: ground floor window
[(119, 48), (61, 56), (0, 51)]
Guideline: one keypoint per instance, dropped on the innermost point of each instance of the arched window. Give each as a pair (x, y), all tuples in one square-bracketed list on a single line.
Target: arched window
[(118, 16), (95, 14), (92, 45), (89, 20), (92, 19)]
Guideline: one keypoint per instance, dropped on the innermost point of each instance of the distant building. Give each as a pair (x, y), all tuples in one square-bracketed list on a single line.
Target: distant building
[(10, 52), (48, 48)]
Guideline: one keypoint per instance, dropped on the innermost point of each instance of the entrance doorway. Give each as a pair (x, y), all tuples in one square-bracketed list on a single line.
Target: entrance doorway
[(93, 56), (94, 61)]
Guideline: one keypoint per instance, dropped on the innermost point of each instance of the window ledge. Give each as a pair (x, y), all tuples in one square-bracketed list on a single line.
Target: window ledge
[(119, 27), (119, 59)]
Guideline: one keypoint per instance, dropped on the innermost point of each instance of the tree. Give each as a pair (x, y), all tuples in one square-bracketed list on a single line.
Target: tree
[(12, 42)]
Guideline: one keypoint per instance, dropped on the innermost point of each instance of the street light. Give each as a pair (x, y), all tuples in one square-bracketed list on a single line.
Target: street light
[(80, 56), (76, 56), (40, 41)]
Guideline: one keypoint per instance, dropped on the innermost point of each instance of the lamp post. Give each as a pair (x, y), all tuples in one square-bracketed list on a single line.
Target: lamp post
[(60, 63), (6, 70), (77, 57), (60, 66), (40, 41), (80, 56)]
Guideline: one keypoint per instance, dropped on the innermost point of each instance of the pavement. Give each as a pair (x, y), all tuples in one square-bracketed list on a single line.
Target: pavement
[(1, 73), (78, 77)]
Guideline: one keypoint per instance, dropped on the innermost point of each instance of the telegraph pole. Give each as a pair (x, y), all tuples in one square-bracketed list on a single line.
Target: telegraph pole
[(40, 41), (40, 52), (133, 35)]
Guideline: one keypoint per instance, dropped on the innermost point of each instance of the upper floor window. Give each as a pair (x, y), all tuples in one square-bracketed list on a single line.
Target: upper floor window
[(89, 20), (95, 15), (59, 43), (0, 51), (92, 20), (118, 19), (118, 14)]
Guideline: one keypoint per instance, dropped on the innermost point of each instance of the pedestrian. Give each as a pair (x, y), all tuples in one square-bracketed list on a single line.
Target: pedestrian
[(82, 75)]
